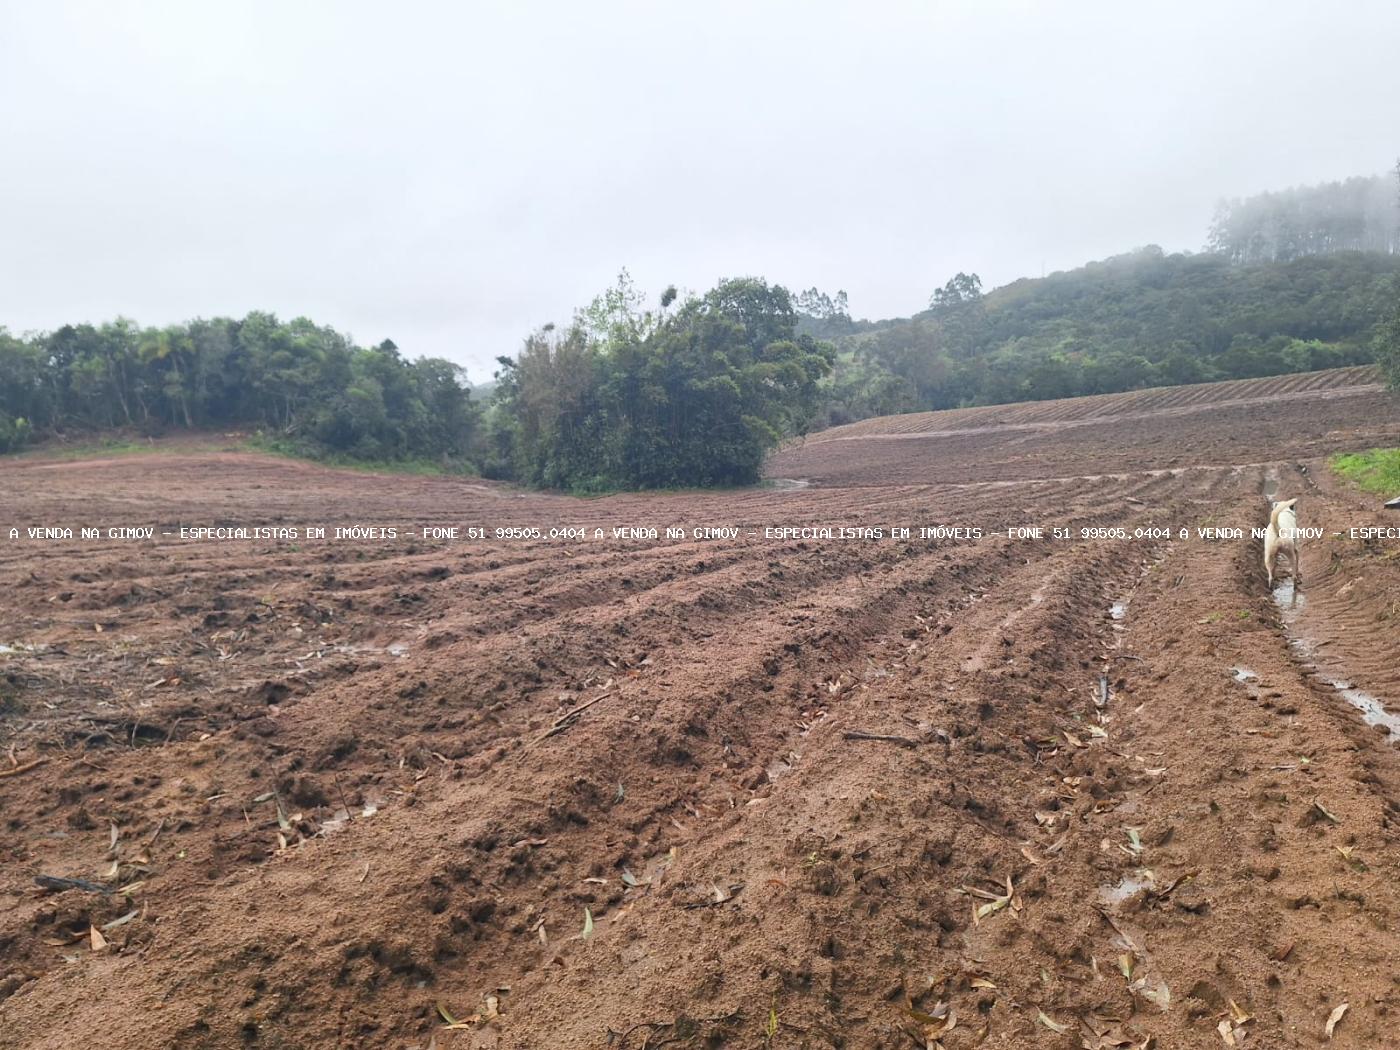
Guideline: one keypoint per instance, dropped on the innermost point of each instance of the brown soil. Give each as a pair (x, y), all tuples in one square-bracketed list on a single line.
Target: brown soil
[(755, 876)]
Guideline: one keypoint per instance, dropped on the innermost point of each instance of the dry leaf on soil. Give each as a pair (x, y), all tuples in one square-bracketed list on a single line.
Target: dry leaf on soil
[(1333, 1018), (934, 1025)]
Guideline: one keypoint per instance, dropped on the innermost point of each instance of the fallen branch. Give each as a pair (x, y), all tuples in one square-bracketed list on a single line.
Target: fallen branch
[(566, 720), (559, 722), (17, 770), (902, 741), (58, 883), (1163, 894), (349, 813)]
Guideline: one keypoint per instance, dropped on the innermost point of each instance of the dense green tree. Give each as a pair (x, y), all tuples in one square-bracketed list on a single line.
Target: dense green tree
[(963, 289), (560, 431), (961, 314), (628, 397), (714, 388), (27, 390), (820, 307), (1388, 339)]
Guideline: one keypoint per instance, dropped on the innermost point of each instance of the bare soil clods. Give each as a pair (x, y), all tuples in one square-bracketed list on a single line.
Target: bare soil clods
[(712, 793)]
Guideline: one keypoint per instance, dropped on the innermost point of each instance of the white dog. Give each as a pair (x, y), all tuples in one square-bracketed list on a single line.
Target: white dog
[(1282, 538)]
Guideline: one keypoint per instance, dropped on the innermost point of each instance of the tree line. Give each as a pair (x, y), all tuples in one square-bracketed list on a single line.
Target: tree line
[(1358, 214), (307, 386), (690, 392)]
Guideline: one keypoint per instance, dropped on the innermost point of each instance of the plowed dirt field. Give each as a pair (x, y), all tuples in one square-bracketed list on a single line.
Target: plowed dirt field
[(1078, 791)]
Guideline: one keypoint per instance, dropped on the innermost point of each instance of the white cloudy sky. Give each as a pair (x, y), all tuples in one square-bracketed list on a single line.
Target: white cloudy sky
[(453, 174)]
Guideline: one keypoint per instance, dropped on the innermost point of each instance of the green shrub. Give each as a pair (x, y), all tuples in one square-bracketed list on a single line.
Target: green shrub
[(14, 432)]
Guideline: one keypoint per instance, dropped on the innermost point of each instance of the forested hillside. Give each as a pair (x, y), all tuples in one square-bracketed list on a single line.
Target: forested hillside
[(1291, 281), (1137, 320)]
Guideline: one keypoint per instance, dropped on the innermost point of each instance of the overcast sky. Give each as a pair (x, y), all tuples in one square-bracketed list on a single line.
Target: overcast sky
[(450, 175)]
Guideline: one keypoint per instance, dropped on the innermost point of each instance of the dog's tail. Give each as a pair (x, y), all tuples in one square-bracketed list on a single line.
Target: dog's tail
[(1279, 508)]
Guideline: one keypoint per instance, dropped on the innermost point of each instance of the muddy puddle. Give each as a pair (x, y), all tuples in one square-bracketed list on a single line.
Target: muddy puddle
[(1290, 600), (785, 484), (1292, 603), (1127, 886), (1373, 712)]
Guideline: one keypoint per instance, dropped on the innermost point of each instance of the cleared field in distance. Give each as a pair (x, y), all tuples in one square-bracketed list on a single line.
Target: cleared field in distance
[(1154, 401)]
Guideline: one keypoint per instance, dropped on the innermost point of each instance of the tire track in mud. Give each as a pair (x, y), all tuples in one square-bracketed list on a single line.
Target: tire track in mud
[(1350, 595), (1238, 816)]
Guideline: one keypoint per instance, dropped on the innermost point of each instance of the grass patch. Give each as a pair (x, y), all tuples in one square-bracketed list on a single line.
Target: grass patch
[(91, 449), (1375, 470), (122, 445), (422, 467), (128, 443)]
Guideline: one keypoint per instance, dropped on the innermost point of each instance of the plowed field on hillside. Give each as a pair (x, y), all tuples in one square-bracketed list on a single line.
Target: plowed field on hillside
[(785, 792)]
